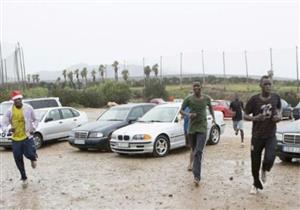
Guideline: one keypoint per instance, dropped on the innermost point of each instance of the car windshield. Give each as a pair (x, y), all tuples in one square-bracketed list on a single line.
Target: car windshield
[(160, 114), (4, 108), (114, 114), (39, 114)]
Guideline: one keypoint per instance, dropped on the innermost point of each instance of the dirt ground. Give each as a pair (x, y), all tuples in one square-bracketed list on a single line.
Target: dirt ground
[(67, 178)]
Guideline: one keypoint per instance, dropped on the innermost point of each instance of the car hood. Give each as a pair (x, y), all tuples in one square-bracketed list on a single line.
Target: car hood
[(292, 127), (144, 128), (100, 125)]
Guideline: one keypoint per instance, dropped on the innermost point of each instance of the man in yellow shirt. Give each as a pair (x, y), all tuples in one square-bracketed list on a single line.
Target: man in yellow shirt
[(23, 123)]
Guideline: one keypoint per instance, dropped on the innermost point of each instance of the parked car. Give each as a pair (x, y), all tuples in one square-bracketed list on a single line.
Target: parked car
[(222, 106), (288, 141), (54, 123), (97, 134), (296, 112), (159, 131), (157, 101), (287, 110), (36, 103)]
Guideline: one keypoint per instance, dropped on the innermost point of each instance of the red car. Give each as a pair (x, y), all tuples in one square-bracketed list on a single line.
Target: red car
[(223, 106)]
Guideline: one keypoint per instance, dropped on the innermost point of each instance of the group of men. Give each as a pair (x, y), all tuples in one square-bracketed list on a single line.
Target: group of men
[(263, 109)]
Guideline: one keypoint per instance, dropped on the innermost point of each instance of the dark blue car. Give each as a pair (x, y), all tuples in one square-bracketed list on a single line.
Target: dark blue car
[(97, 134), (296, 112)]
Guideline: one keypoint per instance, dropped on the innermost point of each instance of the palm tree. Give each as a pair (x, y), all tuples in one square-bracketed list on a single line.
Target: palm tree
[(101, 71), (33, 78), (57, 80), (115, 65), (93, 74), (70, 77), (28, 78), (147, 71), (155, 69), (37, 78), (65, 74), (76, 72), (84, 73), (125, 74)]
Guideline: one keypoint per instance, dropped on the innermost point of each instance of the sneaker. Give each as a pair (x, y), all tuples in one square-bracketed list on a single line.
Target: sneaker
[(264, 176), (253, 190), (236, 132), (196, 181), (24, 183), (33, 164)]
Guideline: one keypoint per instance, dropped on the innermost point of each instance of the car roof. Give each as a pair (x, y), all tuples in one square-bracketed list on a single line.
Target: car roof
[(131, 105), (170, 104), (58, 107)]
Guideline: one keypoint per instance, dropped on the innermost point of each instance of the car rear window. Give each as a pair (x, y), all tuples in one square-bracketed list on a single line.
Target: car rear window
[(38, 104)]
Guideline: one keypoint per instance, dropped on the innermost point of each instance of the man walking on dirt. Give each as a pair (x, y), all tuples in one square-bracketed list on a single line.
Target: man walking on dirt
[(265, 109), (237, 108), (198, 125), (23, 123)]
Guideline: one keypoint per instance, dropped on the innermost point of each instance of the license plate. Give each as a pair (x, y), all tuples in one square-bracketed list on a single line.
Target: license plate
[(79, 141), (291, 149), (123, 144)]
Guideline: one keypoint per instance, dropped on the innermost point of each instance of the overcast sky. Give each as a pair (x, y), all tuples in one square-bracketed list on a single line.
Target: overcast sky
[(57, 34)]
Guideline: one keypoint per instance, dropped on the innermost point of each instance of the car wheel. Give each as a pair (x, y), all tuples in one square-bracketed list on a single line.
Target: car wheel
[(214, 135), (285, 159), (161, 146), (108, 147), (83, 149), (38, 140)]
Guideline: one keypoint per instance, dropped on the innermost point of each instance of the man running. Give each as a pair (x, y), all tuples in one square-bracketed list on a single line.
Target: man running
[(237, 108), (23, 123), (265, 109), (198, 125)]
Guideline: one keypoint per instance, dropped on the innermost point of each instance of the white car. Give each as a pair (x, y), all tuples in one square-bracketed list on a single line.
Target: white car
[(54, 123), (160, 130)]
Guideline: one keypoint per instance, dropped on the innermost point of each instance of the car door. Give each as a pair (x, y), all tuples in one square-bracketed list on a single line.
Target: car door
[(178, 131), (68, 121), (53, 128)]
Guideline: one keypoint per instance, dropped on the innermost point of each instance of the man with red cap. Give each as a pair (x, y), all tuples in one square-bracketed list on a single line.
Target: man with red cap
[(23, 123)]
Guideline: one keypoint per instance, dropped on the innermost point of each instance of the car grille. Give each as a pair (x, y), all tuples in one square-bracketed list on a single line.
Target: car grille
[(81, 134), (291, 139), (125, 137)]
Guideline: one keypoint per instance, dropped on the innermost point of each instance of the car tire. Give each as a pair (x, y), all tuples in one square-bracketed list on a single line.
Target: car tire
[(83, 149), (214, 135), (108, 147), (38, 140), (161, 146), (285, 159), (7, 148)]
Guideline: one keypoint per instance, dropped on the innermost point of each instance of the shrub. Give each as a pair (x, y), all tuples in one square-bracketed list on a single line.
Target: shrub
[(92, 97), (67, 95), (116, 91), (36, 92), (154, 88)]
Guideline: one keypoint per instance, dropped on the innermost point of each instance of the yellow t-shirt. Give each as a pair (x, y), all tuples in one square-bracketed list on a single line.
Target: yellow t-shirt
[(18, 122)]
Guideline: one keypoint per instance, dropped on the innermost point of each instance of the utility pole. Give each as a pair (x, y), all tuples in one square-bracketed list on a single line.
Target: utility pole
[(271, 72), (224, 73), (203, 71), (161, 75), (22, 53), (297, 69), (246, 64), (181, 70)]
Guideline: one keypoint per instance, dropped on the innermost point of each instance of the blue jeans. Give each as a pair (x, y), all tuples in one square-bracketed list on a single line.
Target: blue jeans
[(26, 148), (198, 141)]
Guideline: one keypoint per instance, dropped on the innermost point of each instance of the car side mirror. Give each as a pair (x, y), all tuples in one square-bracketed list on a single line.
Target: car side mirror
[(132, 121), (48, 119), (176, 120)]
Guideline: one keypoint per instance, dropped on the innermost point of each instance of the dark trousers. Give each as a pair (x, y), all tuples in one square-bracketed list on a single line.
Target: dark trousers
[(198, 141), (257, 145), (26, 148)]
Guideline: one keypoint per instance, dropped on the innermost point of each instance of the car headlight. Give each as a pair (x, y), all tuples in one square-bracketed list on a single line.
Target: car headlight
[(279, 136), (96, 135), (141, 137)]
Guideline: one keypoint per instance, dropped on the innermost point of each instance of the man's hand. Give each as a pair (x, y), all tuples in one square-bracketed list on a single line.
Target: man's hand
[(276, 118), (11, 130), (259, 117), (192, 115)]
